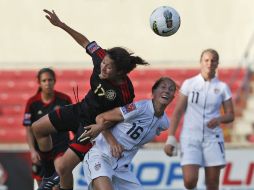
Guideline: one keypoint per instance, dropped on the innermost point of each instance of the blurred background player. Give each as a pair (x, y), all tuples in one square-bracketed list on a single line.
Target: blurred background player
[(45, 100), (202, 141), (110, 87), (139, 123)]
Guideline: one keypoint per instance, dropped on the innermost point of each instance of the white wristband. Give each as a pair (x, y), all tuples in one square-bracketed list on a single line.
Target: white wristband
[(171, 140)]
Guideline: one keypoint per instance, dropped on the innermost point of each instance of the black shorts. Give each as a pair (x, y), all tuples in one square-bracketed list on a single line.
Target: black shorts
[(60, 148), (66, 118)]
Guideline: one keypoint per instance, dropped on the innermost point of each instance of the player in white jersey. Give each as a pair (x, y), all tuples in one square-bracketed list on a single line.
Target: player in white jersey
[(202, 142), (139, 123)]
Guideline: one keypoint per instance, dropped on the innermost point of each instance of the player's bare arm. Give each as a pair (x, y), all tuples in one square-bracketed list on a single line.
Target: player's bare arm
[(227, 117), (114, 115), (78, 37), (170, 147), (94, 130), (103, 121), (115, 147)]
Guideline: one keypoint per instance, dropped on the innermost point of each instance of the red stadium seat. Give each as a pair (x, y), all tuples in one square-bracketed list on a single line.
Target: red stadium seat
[(11, 110), (17, 86), (14, 135)]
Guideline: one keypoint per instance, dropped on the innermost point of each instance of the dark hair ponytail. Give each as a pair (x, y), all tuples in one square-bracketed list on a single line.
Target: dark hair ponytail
[(124, 60), (44, 70)]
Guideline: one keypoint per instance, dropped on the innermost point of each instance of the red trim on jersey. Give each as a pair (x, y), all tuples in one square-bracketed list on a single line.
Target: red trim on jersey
[(101, 53), (57, 94), (52, 100), (125, 92), (124, 87), (60, 154), (63, 96), (35, 98), (83, 148), (58, 112)]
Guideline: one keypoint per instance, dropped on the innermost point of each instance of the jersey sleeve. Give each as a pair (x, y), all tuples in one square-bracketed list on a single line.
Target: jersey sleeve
[(27, 120), (97, 54), (129, 111), (226, 93), (185, 88)]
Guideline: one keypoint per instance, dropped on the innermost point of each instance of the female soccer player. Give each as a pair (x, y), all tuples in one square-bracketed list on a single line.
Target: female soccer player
[(139, 123), (202, 142), (110, 87), (45, 100)]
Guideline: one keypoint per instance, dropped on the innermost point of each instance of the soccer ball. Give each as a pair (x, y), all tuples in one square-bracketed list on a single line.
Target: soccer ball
[(165, 21)]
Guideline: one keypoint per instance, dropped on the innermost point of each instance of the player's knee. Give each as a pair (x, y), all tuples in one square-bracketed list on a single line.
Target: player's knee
[(42, 128), (190, 186), (62, 169), (36, 128), (212, 185), (190, 183), (212, 182)]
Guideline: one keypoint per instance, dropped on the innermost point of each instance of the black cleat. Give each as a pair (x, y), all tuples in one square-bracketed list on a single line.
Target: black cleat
[(49, 182)]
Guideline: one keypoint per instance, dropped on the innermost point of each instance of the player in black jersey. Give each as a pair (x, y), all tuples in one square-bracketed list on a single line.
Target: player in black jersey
[(45, 100), (110, 88)]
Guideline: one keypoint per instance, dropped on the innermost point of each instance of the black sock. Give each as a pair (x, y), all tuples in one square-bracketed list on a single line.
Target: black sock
[(65, 189), (47, 162)]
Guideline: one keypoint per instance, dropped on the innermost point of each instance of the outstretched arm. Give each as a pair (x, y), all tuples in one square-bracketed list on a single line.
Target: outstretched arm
[(103, 121), (78, 37)]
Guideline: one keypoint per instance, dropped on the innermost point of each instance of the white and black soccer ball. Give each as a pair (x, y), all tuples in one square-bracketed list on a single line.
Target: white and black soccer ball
[(165, 21)]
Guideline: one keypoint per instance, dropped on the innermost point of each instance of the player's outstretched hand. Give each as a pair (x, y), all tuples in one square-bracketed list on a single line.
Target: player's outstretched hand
[(116, 150), (170, 147), (90, 131), (53, 18)]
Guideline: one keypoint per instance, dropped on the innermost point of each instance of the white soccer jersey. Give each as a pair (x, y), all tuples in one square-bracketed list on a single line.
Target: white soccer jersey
[(204, 102), (140, 126)]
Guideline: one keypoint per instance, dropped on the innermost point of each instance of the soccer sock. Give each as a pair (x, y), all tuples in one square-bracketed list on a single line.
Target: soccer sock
[(47, 162), (65, 189)]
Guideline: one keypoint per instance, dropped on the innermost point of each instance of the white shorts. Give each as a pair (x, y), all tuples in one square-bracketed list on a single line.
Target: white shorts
[(205, 154), (97, 164)]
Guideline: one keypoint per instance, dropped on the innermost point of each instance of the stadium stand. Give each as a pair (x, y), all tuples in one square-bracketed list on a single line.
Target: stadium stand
[(17, 86)]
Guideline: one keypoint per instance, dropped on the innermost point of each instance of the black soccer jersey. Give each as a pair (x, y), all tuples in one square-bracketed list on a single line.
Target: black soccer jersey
[(103, 95), (35, 109)]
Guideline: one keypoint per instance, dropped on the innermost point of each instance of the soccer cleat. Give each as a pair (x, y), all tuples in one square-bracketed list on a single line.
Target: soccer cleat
[(49, 182)]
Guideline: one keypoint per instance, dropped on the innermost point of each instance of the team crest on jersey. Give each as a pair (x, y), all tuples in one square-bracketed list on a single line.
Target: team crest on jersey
[(39, 112), (92, 47), (216, 90), (128, 108), (97, 166), (110, 94)]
